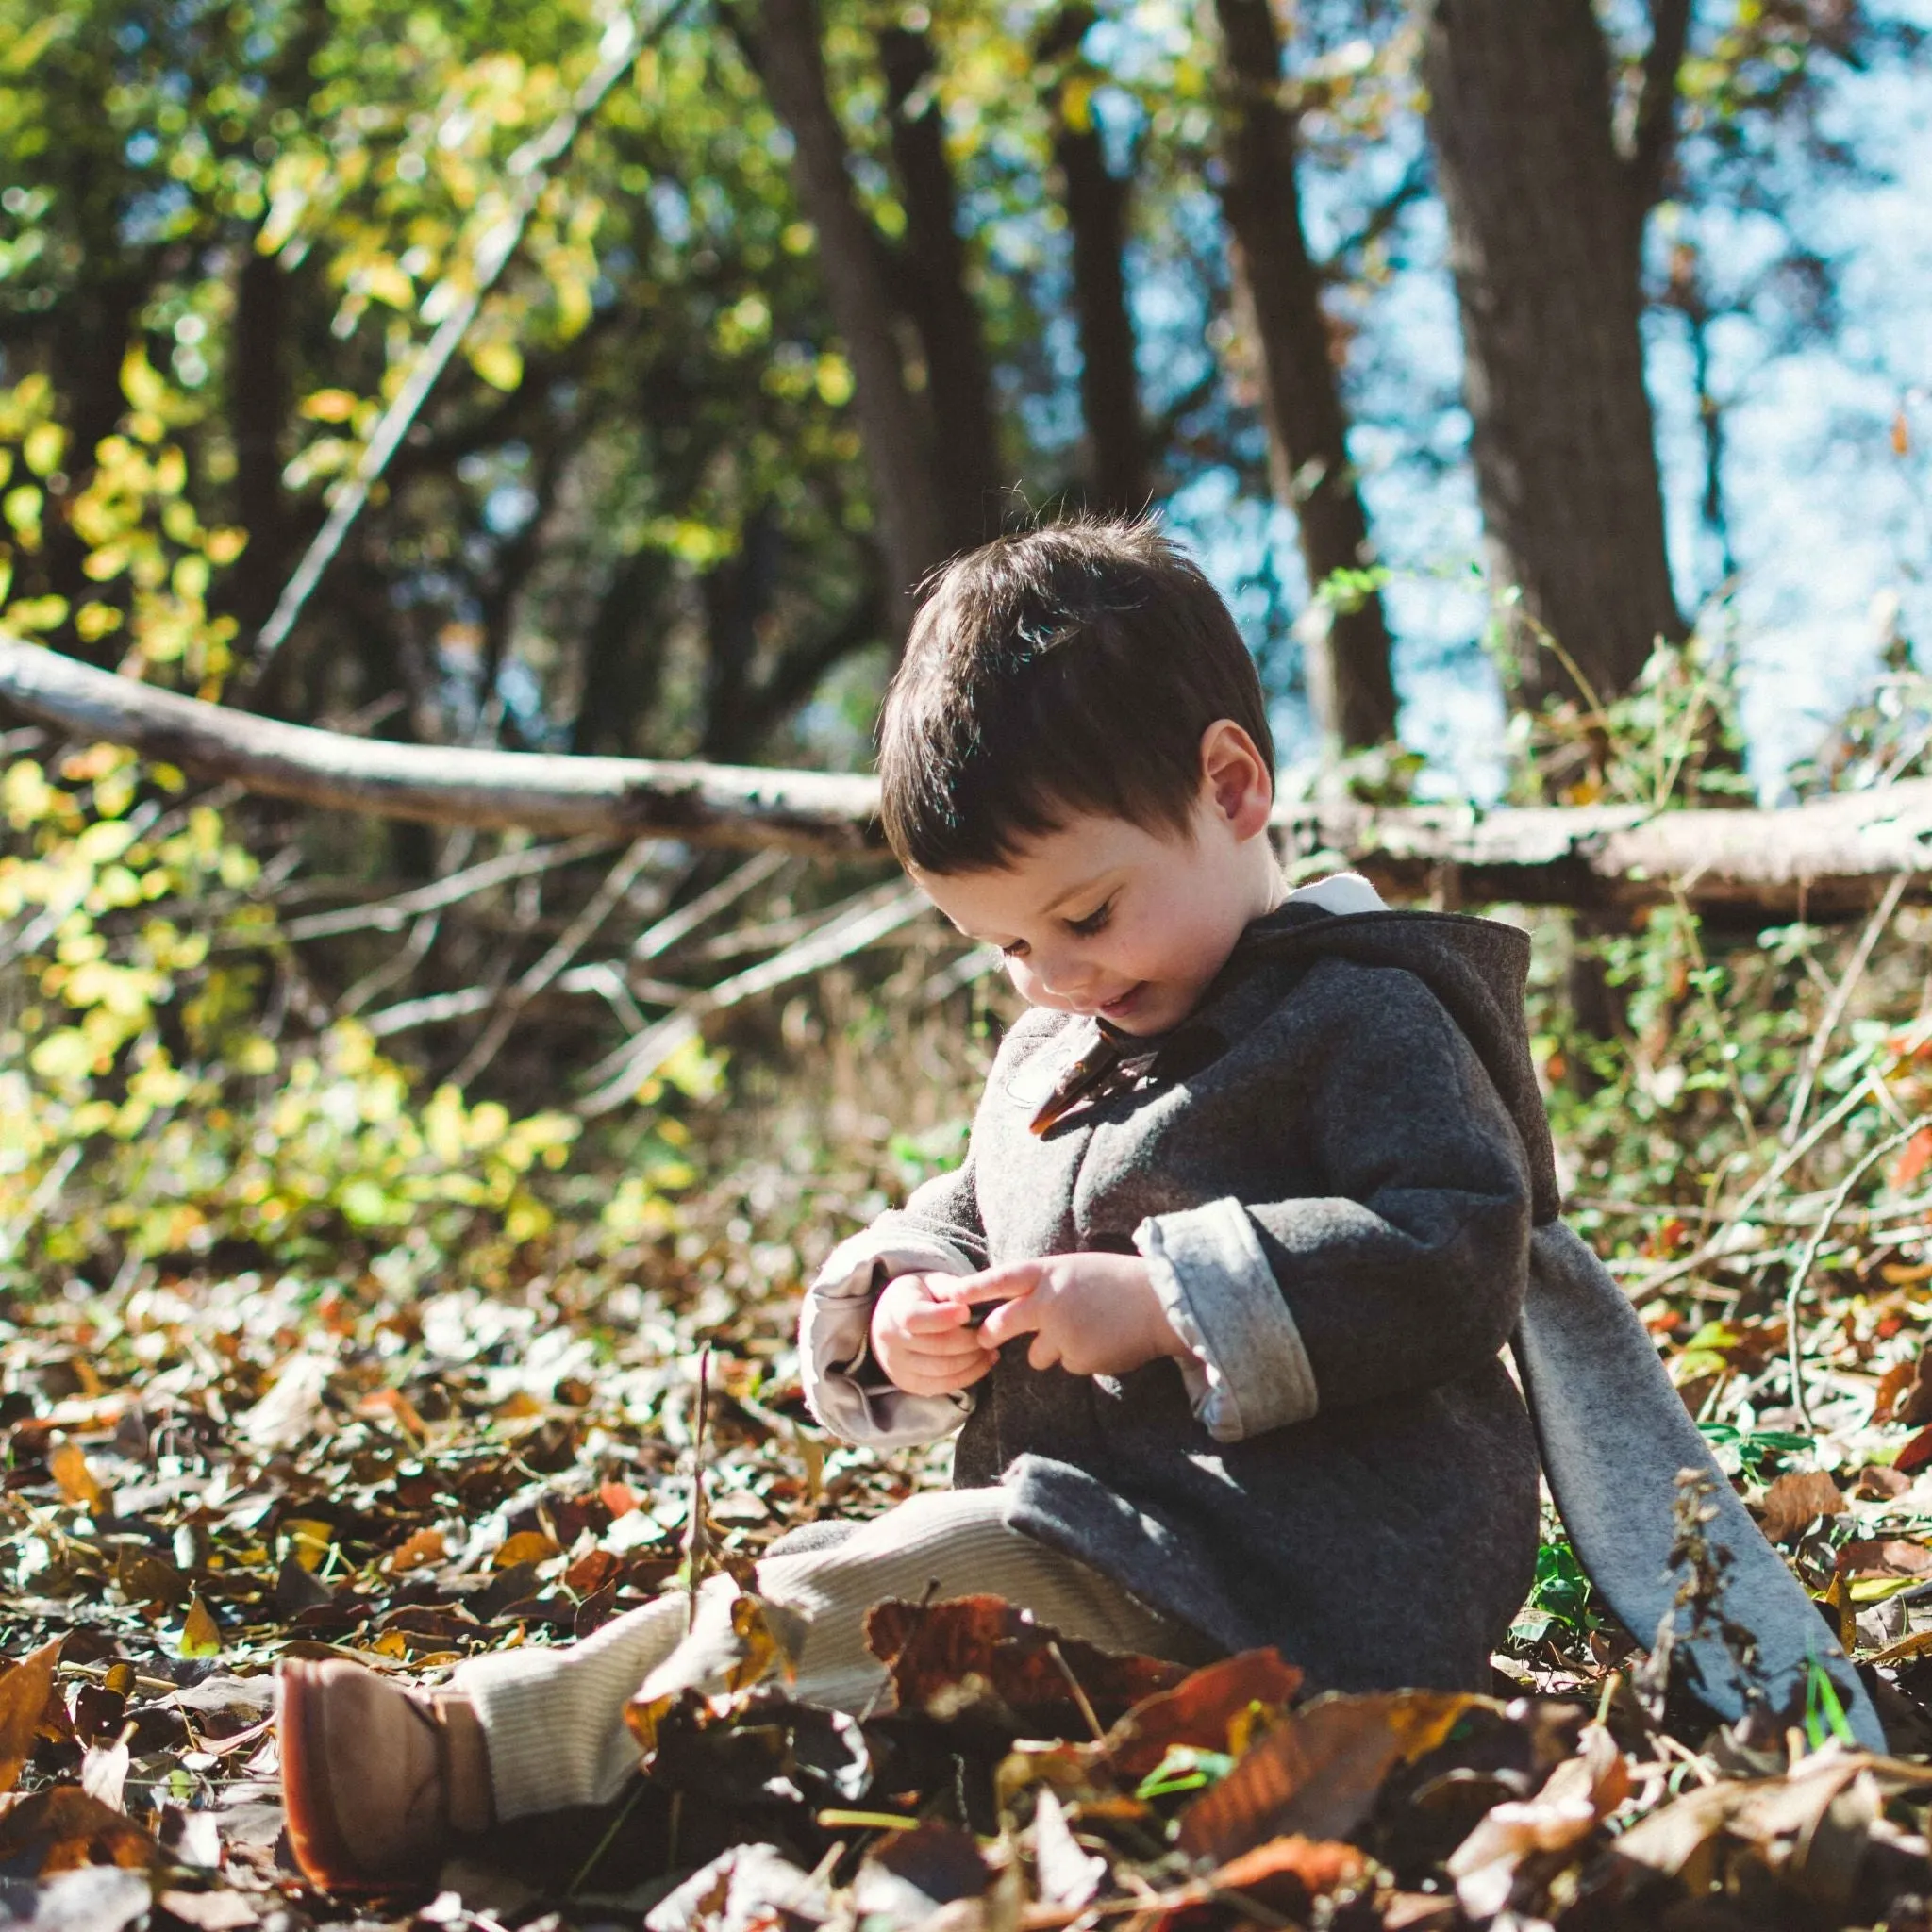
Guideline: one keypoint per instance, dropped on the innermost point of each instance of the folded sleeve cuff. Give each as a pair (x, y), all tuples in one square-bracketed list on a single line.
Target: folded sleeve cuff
[(1249, 1370), (844, 1388)]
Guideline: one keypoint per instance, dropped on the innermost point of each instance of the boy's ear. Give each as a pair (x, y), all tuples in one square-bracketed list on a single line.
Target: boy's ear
[(1237, 777)]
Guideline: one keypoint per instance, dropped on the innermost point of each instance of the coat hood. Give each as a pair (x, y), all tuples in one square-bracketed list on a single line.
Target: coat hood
[(1631, 1474)]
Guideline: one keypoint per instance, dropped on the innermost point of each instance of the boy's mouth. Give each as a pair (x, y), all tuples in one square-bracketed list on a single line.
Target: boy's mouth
[(1123, 1004)]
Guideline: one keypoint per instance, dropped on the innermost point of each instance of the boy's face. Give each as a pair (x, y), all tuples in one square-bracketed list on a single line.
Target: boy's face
[(1108, 918)]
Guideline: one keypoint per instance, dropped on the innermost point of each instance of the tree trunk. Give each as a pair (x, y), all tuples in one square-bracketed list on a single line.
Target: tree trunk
[(957, 385), (891, 424), (1350, 681), (1118, 459), (1544, 220), (259, 406)]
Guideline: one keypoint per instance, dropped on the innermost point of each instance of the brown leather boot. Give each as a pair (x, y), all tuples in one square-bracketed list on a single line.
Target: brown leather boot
[(377, 1779)]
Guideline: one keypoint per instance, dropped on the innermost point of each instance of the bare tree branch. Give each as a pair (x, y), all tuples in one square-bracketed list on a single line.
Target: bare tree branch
[(1655, 136)]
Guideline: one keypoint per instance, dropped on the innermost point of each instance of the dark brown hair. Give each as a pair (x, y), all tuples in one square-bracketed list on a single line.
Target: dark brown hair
[(1069, 669)]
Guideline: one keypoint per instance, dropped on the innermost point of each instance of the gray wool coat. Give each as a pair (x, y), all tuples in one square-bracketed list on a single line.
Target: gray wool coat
[(1340, 1175)]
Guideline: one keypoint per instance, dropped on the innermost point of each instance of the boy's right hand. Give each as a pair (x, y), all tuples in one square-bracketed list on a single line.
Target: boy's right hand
[(925, 1345)]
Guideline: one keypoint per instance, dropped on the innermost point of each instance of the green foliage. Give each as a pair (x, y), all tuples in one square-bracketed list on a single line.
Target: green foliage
[(1559, 1598), (151, 1105)]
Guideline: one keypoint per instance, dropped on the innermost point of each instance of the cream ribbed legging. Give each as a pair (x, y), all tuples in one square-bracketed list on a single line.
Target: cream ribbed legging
[(554, 1719)]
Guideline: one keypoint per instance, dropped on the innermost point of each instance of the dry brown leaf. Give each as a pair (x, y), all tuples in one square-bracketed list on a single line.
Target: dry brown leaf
[(103, 1773), (67, 1464), (942, 1655), (1575, 1799), (1287, 1873), (527, 1547), (417, 1551), (63, 1828), (1795, 1501), (24, 1693), (1877, 1483), (1203, 1709), (1318, 1771)]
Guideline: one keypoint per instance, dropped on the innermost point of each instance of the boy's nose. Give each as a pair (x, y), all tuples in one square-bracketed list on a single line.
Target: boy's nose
[(1066, 979)]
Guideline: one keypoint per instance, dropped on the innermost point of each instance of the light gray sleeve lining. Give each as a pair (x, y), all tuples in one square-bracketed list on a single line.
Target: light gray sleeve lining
[(834, 1327), (1249, 1370)]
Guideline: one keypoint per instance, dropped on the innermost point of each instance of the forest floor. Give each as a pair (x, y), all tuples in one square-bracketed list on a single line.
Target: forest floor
[(208, 1473)]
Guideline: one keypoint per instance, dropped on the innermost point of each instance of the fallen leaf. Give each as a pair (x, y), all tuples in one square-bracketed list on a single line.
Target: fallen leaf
[(1917, 1154), (1795, 1501), (745, 1886), (398, 1406), (417, 1551), (1877, 1483), (103, 1773), (527, 1547), (24, 1693), (909, 1875), (1068, 1874), (1892, 1384), (1915, 1454), (94, 1898), (286, 1415), (200, 1636), (946, 1656), (1317, 1773), (309, 1540), (1575, 1799), (62, 1828), (67, 1463), (1203, 1709), (1288, 1873), (733, 1644)]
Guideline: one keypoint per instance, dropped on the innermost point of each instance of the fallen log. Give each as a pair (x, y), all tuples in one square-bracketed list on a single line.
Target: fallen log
[(819, 812), (1826, 860)]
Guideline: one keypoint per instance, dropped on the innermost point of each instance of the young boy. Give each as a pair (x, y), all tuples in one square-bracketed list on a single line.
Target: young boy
[(1257, 1192)]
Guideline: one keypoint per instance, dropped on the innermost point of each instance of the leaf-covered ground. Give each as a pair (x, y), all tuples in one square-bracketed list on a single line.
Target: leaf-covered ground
[(205, 1473)]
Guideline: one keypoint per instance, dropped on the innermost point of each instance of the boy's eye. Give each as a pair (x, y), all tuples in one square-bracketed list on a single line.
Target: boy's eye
[(1093, 922), (1017, 949)]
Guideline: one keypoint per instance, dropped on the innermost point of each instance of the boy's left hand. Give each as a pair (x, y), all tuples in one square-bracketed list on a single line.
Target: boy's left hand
[(1092, 1314)]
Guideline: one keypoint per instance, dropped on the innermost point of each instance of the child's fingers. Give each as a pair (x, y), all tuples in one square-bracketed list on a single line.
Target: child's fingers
[(944, 1352), (991, 1285), (1044, 1354), (1019, 1316), (934, 1318)]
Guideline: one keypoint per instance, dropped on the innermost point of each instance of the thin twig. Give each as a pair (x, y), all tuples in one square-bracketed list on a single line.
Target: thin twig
[(660, 938), (697, 1530), (392, 915), (599, 906), (1740, 1105), (1841, 998), (1074, 1684), (1649, 1289), (638, 1786), (1803, 1270), (859, 923)]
